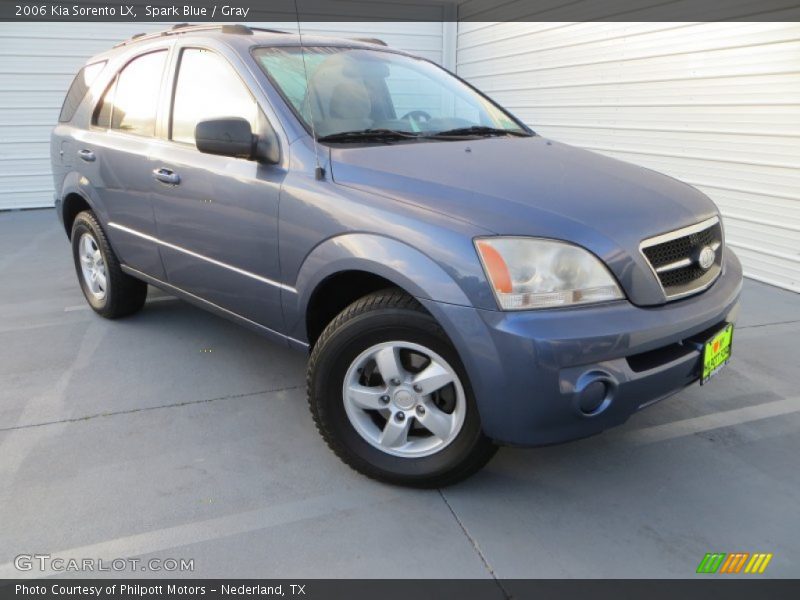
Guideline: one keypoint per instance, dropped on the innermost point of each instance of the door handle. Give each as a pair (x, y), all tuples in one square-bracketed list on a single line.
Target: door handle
[(167, 176), (86, 155)]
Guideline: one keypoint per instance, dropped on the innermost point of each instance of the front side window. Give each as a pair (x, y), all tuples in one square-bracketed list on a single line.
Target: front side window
[(207, 88), (80, 85), (350, 90), (131, 102)]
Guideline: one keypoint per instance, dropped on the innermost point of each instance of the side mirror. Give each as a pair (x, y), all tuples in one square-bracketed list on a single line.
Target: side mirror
[(230, 136)]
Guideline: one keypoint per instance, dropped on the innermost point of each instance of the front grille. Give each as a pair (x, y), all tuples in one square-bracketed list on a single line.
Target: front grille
[(675, 258)]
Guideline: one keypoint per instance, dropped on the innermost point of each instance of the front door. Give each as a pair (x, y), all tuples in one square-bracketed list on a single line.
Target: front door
[(217, 217)]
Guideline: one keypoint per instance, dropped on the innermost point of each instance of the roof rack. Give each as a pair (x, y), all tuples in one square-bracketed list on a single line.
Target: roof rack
[(377, 41), (267, 30), (188, 27)]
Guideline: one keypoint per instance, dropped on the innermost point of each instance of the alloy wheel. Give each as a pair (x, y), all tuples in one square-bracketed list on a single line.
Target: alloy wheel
[(93, 267), (404, 399)]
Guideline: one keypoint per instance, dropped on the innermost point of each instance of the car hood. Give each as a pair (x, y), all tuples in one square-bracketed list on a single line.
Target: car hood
[(534, 187)]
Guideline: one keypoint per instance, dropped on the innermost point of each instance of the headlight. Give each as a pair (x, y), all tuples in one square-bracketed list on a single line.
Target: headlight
[(539, 273)]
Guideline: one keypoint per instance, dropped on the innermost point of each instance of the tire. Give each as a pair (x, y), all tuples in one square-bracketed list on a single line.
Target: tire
[(109, 291), (356, 409)]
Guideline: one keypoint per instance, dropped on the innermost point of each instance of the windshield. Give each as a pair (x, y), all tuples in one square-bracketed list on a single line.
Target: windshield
[(355, 90)]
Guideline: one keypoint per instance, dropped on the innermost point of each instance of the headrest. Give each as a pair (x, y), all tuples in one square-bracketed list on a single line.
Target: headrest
[(350, 100)]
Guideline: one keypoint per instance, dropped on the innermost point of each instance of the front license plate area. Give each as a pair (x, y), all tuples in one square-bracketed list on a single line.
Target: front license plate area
[(716, 353)]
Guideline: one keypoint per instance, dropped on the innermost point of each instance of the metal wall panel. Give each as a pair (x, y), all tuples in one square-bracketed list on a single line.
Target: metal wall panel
[(714, 104)]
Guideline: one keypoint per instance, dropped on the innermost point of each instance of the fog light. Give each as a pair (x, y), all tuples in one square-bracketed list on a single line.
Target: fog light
[(593, 396)]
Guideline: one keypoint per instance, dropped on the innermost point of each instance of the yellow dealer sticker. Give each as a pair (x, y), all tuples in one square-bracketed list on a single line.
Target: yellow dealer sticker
[(716, 353)]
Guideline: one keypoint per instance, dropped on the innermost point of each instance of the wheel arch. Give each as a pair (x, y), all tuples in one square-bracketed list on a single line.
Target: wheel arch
[(334, 293), (77, 195), (361, 262), (73, 204)]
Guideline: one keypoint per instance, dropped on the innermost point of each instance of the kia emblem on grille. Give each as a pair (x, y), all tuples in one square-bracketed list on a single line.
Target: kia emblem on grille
[(706, 257)]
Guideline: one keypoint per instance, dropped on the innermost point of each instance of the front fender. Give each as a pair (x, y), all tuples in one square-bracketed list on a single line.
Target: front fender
[(403, 265)]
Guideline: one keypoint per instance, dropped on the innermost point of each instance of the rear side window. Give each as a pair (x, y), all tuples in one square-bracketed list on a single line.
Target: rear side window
[(207, 88), (130, 104), (80, 85)]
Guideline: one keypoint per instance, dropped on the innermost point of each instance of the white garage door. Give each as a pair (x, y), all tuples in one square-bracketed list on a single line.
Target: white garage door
[(716, 105), (39, 60)]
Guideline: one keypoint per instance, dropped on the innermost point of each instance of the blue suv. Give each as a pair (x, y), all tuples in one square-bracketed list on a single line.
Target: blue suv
[(459, 281)]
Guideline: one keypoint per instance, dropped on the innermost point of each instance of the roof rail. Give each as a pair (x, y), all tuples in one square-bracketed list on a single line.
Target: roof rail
[(377, 41), (188, 28), (267, 30)]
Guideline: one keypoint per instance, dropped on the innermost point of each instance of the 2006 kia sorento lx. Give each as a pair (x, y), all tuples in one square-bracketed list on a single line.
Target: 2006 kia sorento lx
[(458, 280)]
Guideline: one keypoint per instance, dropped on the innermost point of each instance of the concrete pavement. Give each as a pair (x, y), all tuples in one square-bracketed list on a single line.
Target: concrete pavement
[(176, 434)]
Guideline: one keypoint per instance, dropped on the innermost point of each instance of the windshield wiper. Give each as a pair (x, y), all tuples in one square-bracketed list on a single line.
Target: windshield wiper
[(479, 130), (368, 134), (389, 135)]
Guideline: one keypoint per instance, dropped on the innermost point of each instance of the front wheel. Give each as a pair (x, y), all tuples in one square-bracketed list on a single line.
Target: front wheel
[(390, 395)]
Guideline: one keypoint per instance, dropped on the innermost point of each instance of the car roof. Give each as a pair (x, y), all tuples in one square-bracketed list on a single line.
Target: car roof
[(243, 37)]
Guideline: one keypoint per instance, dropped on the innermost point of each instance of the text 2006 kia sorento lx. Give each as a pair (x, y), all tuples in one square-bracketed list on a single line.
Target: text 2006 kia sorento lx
[(459, 281)]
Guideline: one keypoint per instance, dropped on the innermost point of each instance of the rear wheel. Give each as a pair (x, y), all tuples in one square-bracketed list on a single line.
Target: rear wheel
[(391, 398), (108, 290)]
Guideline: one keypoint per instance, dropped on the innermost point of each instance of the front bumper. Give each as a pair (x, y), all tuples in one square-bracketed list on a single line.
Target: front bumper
[(530, 371)]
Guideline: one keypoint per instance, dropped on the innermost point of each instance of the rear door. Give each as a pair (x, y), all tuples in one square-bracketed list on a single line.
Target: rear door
[(217, 217), (114, 154)]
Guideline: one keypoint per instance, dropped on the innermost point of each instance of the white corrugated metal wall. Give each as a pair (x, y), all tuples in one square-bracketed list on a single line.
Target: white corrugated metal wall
[(714, 104), (39, 60)]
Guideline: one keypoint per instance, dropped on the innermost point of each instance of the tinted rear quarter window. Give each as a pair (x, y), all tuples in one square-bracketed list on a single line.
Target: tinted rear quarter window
[(130, 103), (80, 85)]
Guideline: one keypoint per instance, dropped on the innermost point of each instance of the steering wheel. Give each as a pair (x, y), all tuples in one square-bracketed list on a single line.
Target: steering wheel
[(417, 116)]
